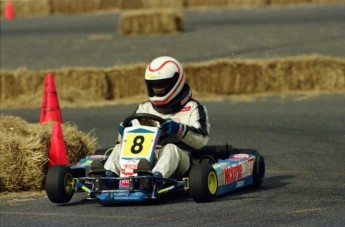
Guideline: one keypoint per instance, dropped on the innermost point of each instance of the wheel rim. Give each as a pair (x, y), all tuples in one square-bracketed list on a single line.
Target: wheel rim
[(69, 183), (212, 182)]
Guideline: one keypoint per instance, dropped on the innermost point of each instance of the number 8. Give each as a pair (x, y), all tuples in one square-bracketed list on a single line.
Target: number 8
[(137, 144)]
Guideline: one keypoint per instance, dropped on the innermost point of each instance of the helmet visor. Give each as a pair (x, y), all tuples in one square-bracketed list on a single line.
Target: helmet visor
[(162, 87)]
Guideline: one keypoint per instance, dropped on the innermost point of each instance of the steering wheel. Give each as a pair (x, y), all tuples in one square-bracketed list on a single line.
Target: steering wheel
[(139, 116)]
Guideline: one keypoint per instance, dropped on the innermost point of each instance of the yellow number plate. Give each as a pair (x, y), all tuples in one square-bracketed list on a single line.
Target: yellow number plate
[(138, 145)]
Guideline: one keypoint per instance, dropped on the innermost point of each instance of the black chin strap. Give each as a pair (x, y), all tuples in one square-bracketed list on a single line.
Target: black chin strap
[(177, 103)]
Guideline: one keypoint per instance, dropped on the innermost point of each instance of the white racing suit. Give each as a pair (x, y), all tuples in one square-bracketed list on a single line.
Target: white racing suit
[(173, 159)]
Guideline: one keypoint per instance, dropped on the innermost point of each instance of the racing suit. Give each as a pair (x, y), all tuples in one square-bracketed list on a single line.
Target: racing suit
[(173, 158)]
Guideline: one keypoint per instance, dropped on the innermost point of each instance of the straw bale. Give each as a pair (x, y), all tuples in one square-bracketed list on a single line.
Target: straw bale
[(78, 144), (47, 7), (28, 7), (224, 77), (290, 2), (144, 4), (87, 86), (126, 81), (24, 151), (75, 84), (248, 3), (208, 3), (161, 4), (109, 4), (28, 87), (75, 6), (81, 85), (258, 76), (67, 6), (150, 21)]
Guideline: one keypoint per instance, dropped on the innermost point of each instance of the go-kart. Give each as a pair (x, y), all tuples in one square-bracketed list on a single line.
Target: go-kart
[(215, 170)]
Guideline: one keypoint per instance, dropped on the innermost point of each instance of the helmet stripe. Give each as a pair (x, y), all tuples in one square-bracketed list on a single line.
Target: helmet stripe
[(162, 65)]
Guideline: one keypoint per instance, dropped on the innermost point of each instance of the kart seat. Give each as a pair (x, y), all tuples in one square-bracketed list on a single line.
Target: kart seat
[(214, 151)]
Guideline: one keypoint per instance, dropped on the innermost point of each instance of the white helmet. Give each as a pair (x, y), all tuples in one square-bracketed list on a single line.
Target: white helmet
[(165, 80)]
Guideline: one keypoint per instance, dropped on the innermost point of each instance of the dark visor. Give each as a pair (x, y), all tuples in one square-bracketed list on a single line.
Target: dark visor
[(168, 83)]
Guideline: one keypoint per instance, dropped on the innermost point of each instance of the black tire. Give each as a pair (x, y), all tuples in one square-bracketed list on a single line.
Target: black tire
[(59, 184), (259, 165), (203, 183)]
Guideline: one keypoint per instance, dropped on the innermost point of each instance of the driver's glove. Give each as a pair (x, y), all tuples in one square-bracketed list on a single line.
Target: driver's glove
[(171, 127), (121, 128)]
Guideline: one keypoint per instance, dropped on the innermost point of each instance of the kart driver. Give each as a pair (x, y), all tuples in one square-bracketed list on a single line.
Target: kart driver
[(187, 124)]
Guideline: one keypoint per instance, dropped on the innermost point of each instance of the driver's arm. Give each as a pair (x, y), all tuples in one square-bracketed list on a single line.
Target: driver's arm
[(195, 124), (196, 131)]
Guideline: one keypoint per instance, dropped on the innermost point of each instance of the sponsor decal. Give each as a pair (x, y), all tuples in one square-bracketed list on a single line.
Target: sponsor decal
[(185, 109), (86, 163), (126, 171), (97, 156), (130, 165), (184, 100), (240, 156), (247, 167), (150, 75), (235, 172), (232, 173), (240, 184), (124, 183)]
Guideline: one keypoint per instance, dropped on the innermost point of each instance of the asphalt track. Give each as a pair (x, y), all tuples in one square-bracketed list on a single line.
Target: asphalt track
[(94, 40), (302, 139)]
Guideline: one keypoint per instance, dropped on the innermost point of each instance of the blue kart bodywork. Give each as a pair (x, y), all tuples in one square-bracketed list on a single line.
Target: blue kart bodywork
[(234, 169)]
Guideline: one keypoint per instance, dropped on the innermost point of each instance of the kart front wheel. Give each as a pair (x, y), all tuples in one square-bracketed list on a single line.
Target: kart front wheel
[(203, 183), (59, 184)]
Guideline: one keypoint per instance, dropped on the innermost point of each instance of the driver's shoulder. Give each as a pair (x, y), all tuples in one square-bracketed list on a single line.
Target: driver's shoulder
[(193, 104), (145, 107)]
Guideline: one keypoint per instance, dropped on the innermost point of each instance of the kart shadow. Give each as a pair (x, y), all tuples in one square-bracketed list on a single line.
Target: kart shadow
[(270, 183), (276, 182), (78, 202)]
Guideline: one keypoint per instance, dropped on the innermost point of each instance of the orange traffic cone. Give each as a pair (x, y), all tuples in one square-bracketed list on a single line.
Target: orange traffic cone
[(9, 11), (57, 153), (50, 103)]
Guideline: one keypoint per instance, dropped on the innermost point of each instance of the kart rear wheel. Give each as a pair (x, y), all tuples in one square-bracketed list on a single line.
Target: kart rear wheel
[(203, 183), (259, 165), (59, 184)]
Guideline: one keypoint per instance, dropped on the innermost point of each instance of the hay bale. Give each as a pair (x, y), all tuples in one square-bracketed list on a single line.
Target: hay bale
[(150, 4), (293, 2), (109, 4), (83, 85), (75, 6), (28, 89), (126, 81), (80, 6), (150, 21), (311, 73), (223, 77), (95, 86), (205, 3), (23, 8), (24, 151), (248, 3)]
